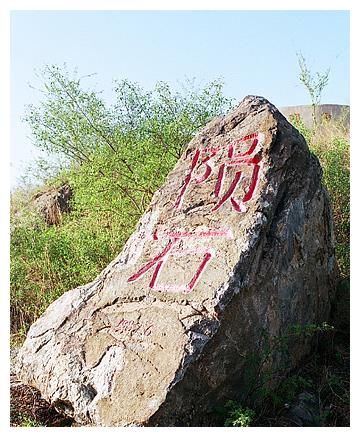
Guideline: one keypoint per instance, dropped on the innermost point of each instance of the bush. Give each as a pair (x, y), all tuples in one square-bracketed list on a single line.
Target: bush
[(237, 415)]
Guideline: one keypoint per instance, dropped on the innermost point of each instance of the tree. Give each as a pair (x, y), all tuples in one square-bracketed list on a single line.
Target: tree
[(314, 84)]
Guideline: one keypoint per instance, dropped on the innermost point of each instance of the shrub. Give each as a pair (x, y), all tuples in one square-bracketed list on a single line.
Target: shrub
[(237, 415)]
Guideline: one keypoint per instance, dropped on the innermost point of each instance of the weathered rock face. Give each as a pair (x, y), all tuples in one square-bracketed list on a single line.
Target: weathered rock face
[(235, 249)]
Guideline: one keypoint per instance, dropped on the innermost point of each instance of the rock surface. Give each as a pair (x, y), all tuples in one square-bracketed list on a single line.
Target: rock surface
[(234, 249)]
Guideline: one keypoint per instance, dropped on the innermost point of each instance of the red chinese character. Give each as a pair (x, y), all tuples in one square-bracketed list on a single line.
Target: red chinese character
[(239, 207), (170, 250), (245, 158)]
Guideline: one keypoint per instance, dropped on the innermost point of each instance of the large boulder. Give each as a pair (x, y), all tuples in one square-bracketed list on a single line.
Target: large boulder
[(234, 251)]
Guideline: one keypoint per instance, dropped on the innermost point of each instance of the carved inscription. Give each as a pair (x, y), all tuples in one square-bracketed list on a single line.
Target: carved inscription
[(241, 154)]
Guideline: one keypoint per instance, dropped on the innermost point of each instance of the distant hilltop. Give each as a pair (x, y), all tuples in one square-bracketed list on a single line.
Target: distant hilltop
[(328, 111)]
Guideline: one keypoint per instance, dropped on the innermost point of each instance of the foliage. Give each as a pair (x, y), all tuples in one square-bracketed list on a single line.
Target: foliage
[(261, 371), (68, 121), (131, 145), (288, 389), (237, 415), (75, 122), (314, 85)]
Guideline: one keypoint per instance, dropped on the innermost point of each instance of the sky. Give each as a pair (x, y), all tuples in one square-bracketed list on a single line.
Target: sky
[(253, 51)]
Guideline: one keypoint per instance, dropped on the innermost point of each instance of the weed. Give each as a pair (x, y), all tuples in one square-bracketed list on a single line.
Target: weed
[(237, 415)]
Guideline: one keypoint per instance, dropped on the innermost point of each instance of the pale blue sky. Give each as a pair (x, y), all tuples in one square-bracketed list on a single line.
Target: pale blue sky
[(253, 51)]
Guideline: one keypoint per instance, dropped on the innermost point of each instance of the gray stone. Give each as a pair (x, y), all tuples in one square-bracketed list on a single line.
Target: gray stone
[(237, 243)]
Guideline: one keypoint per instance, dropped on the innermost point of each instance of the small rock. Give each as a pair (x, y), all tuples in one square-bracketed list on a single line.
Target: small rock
[(53, 203)]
